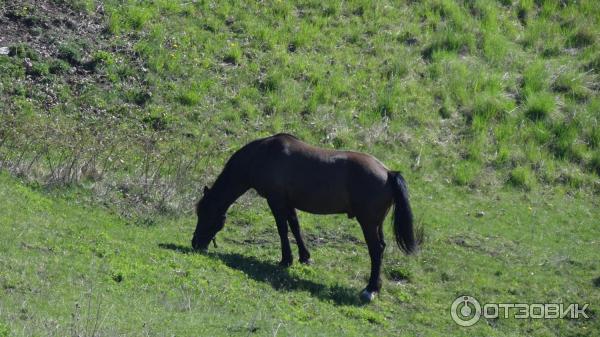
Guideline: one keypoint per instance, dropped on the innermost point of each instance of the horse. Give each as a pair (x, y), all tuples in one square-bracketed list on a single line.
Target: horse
[(293, 175)]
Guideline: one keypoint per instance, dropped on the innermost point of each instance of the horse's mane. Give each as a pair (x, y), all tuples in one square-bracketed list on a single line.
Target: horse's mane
[(238, 162)]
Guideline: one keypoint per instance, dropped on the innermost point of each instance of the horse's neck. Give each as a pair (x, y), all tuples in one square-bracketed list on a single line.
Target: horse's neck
[(227, 189), (232, 182)]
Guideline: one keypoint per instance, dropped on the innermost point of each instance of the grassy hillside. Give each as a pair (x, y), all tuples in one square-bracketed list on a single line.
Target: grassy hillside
[(114, 114), (146, 100), (68, 269)]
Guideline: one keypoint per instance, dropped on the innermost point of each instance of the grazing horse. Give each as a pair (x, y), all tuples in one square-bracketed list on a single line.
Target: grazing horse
[(292, 175)]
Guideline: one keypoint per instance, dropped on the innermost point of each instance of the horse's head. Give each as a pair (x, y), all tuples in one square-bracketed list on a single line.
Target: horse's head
[(210, 221)]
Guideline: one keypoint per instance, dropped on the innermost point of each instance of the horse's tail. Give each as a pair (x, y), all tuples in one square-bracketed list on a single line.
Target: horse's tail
[(403, 217)]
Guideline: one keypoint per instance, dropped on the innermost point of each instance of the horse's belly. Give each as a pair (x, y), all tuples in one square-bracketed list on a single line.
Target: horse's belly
[(319, 202), (316, 209)]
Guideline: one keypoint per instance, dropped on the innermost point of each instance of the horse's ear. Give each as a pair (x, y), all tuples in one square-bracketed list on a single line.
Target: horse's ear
[(205, 190)]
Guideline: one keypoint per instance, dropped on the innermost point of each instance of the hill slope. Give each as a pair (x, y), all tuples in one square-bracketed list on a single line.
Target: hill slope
[(143, 98), (72, 269), (115, 114)]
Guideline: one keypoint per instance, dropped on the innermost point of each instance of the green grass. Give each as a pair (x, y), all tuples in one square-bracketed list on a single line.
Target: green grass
[(523, 177), (539, 106), (68, 267), (134, 106), (390, 79)]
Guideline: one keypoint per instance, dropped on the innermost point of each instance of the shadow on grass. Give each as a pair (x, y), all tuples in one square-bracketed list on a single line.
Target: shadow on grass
[(178, 248), (278, 277)]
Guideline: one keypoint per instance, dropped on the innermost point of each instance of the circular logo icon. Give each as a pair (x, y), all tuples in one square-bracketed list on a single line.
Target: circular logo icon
[(465, 310)]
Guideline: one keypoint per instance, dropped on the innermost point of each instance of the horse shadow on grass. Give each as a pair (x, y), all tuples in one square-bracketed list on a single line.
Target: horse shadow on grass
[(278, 277)]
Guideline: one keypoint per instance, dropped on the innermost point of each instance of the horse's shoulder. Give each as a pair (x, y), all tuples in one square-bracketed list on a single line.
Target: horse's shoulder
[(278, 143)]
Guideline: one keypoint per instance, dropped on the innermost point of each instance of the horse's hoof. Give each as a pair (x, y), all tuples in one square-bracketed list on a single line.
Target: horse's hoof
[(285, 263), (367, 296), (308, 261)]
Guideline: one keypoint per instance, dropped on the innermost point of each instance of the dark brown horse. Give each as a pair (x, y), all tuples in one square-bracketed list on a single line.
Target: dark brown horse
[(292, 175)]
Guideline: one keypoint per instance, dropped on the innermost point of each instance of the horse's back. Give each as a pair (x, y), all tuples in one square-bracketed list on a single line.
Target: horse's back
[(318, 180)]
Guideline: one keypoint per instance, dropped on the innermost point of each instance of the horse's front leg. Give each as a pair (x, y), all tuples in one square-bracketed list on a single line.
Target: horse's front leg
[(279, 209), (295, 227)]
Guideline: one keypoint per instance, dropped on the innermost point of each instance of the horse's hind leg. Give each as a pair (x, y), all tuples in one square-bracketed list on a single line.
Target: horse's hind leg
[(374, 238), (280, 212), (381, 237), (295, 227)]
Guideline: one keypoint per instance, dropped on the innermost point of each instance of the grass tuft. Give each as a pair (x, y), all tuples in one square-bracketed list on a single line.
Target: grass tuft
[(595, 163), (594, 137), (582, 38), (565, 135), (189, 97), (233, 54), (523, 177), (539, 106), (571, 84), (535, 79), (70, 52), (466, 172), (490, 106), (4, 330), (449, 41), (23, 50)]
